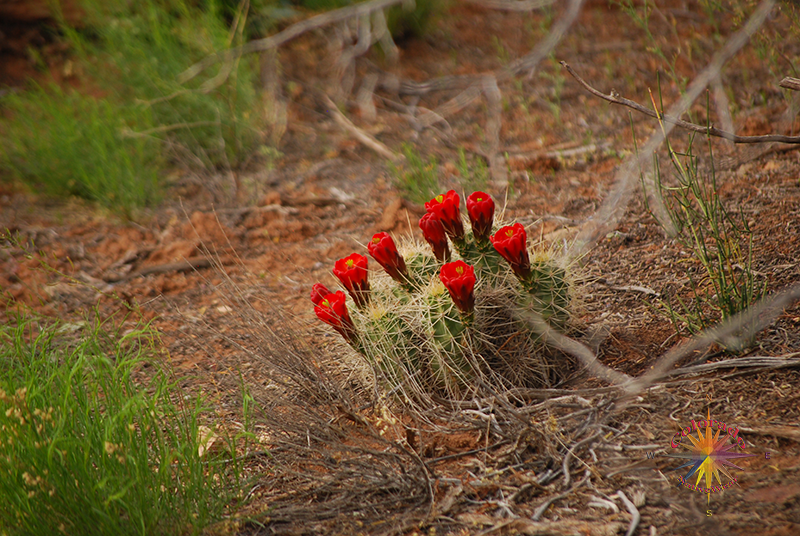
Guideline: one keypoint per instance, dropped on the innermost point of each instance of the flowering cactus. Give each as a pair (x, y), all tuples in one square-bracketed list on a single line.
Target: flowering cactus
[(352, 272), (480, 207), (383, 250), (445, 207), (434, 326), (511, 242), (333, 311), (318, 293), (433, 231), (459, 280)]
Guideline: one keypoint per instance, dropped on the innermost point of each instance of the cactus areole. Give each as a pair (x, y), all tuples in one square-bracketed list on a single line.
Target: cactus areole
[(383, 250), (445, 206), (459, 280), (352, 272)]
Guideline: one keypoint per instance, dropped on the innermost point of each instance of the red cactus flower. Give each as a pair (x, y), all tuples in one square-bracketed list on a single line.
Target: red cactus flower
[(433, 231), (446, 207), (383, 250), (318, 293), (352, 272), (511, 242), (480, 208), (333, 311), (459, 279)]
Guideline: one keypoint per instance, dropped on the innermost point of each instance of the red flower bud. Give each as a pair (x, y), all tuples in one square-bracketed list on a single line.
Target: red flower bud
[(434, 234), (352, 272), (511, 243), (459, 280), (446, 208), (480, 208), (318, 293), (383, 250), (333, 310)]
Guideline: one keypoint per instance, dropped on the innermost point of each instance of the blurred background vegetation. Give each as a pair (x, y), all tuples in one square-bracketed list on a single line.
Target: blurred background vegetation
[(112, 137)]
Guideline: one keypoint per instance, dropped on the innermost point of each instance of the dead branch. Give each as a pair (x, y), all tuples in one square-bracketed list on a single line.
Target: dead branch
[(786, 432), (609, 214), (743, 325), (790, 83), (359, 134), (635, 516), (585, 356), (494, 122), (614, 98), (193, 263), (471, 84), (750, 363), (295, 30), (513, 5)]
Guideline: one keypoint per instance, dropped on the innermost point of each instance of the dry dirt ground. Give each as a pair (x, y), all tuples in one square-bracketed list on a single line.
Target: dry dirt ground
[(328, 193)]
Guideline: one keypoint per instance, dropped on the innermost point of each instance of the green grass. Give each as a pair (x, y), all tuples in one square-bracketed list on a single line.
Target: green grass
[(720, 242), (63, 143), (474, 175), (416, 178), (136, 51), (113, 148), (96, 437)]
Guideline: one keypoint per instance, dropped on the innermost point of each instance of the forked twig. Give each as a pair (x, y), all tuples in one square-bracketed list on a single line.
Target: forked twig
[(615, 98)]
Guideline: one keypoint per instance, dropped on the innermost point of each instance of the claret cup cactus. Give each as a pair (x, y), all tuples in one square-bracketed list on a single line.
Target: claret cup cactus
[(440, 321)]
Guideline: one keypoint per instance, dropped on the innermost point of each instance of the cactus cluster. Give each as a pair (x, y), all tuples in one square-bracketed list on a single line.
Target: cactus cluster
[(441, 324)]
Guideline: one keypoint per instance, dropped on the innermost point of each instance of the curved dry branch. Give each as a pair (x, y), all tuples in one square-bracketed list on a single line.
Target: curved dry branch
[(615, 98), (609, 214), (513, 5), (743, 325)]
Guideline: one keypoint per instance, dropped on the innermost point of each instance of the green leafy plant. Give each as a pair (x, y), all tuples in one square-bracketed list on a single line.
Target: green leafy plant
[(721, 242), (417, 179), (95, 436), (443, 324)]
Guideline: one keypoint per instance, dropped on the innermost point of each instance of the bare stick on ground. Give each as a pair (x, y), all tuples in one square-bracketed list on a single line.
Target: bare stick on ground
[(359, 134)]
